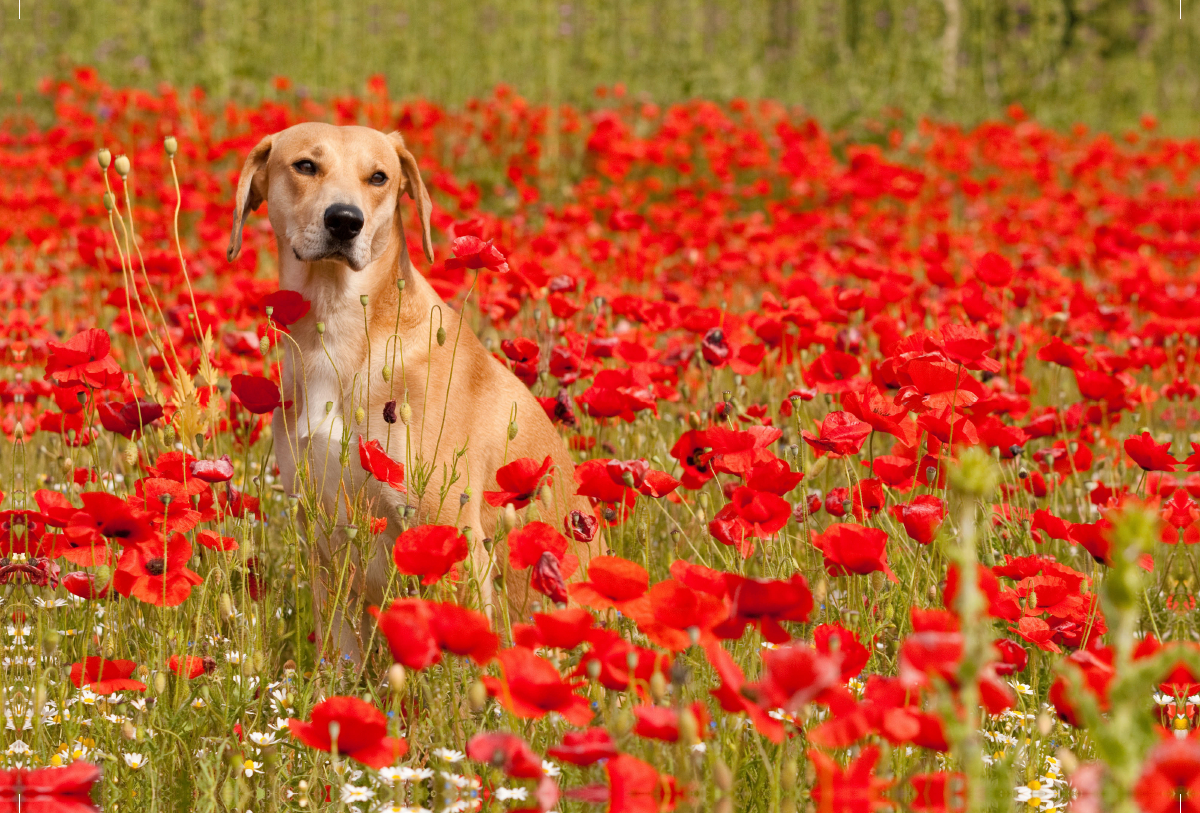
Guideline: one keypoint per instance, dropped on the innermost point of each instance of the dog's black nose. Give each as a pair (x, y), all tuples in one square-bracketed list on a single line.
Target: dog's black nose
[(344, 221)]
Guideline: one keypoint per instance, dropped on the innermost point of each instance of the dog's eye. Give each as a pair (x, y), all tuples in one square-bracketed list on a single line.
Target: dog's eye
[(305, 167), (378, 179)]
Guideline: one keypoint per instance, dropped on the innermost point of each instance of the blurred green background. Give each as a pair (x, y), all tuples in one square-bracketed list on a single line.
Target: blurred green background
[(1101, 62)]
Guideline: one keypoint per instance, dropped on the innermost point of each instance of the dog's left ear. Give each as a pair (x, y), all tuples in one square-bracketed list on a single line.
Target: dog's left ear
[(251, 192), (415, 188)]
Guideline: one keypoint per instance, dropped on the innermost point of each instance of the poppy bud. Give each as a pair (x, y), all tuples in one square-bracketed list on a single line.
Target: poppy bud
[(689, 728), (109, 201), (658, 687), (171, 146), (631, 661), (722, 776), (360, 415), (405, 413), (510, 516), (225, 605), (131, 453), (386, 372), (477, 696), (789, 775), (593, 669), (441, 336), (512, 430), (264, 345), (121, 165), (397, 677), (160, 683), (104, 158)]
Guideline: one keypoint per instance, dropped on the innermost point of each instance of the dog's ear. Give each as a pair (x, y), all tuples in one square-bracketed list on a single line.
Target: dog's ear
[(251, 192), (415, 188)]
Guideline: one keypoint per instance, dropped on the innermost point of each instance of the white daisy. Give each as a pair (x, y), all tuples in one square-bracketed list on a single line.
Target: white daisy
[(135, 761), (354, 793)]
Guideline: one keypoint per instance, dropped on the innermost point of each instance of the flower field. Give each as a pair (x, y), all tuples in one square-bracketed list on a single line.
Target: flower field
[(890, 438)]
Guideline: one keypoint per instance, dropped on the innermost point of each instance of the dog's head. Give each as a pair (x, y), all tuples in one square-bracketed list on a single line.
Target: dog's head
[(332, 192)]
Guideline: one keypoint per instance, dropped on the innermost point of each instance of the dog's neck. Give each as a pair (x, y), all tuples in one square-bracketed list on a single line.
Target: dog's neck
[(350, 330)]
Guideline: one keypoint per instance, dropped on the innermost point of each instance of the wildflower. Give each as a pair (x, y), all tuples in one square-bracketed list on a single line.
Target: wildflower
[(519, 482), (449, 755), (135, 760), (357, 729), (156, 572), (83, 361), (429, 551), (355, 793), (250, 768), (103, 677), (375, 461)]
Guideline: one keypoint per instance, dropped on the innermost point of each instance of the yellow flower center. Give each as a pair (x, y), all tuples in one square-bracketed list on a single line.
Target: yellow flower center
[(1181, 723), (248, 765), (1035, 785)]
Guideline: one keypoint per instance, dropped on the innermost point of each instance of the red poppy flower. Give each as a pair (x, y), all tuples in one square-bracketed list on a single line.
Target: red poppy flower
[(156, 572), (831, 638), (732, 694), (662, 723), (190, 666), (168, 503), (796, 674), (506, 751), (1170, 780), (530, 687), (105, 516), (853, 790), (405, 626), (429, 551), (472, 253), (83, 361), (527, 544), (548, 579), (214, 541), (49, 790), (851, 548), (519, 482), (841, 434), (84, 585), (357, 729), (636, 787), (766, 603), (463, 632), (941, 792), (774, 476), (921, 518), (287, 307), (212, 471), (257, 394), (561, 629), (105, 677), (693, 453), (375, 461), (585, 747), (967, 346), (612, 580), (1149, 455), (994, 270)]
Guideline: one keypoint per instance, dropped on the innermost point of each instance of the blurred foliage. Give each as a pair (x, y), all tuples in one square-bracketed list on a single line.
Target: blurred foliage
[(1101, 62)]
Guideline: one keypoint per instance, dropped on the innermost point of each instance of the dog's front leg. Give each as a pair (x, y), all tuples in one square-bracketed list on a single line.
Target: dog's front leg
[(336, 598)]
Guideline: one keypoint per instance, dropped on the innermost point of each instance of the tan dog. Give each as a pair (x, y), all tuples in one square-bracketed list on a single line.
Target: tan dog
[(334, 197)]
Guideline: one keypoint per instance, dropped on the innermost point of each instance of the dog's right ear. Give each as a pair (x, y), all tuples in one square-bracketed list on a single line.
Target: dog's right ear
[(251, 192)]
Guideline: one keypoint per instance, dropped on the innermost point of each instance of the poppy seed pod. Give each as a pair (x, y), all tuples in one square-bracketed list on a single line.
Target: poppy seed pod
[(405, 413), (397, 678), (121, 165), (104, 158), (171, 146), (109, 201), (321, 328)]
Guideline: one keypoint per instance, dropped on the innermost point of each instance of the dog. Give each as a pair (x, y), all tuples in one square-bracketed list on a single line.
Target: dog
[(372, 337)]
